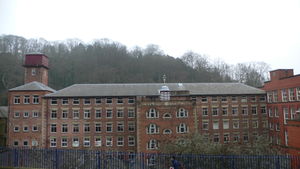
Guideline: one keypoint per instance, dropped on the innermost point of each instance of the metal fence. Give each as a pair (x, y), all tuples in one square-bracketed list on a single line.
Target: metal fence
[(92, 159)]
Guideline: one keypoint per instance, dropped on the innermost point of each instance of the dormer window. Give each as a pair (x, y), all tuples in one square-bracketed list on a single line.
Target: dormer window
[(152, 113)]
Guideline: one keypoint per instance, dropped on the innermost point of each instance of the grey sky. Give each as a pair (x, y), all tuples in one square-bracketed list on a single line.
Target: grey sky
[(232, 30)]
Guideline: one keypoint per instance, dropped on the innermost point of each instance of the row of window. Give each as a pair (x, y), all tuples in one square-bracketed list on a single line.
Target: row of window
[(26, 128), (97, 113), (154, 129), (215, 111), (97, 127), (244, 99), (286, 95), (27, 99), (89, 101), (233, 124), (26, 114), (274, 112)]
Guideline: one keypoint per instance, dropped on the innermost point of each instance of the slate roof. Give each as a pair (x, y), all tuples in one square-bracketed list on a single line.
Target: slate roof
[(3, 111), (152, 89), (33, 86)]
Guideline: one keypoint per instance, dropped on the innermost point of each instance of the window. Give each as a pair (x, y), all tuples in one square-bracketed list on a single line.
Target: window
[(75, 142), (167, 131), (16, 143), (204, 99), (131, 100), (17, 100), (109, 100), (205, 111), (235, 124), (98, 127), (120, 100), (25, 143), (98, 142), (86, 142), (152, 144), (254, 124), (152, 113), (244, 110), (205, 125), (87, 101), (53, 142), (109, 113), (225, 124), (26, 100), (76, 101), (216, 138), (277, 127), (131, 113), (64, 128), (270, 112), (64, 114), (284, 95), (120, 126), (167, 116), (131, 126), (26, 114), (182, 113), (292, 95), (298, 93), (64, 142), (65, 101), (286, 114), (234, 98), (131, 141), (215, 125), (235, 111), (98, 114), (262, 98), (53, 101), (53, 114), (246, 137), (253, 99), (236, 138), (16, 114), (182, 128), (98, 100), (75, 114), (36, 99), (109, 141), (215, 111), (109, 127), (271, 126), (214, 98), (53, 128), (293, 113), (120, 141), (87, 114), (152, 129), (276, 112), (275, 96), (254, 110), (86, 127), (35, 114), (224, 99), (263, 110), (286, 138), (226, 138), (270, 97), (34, 128), (120, 113), (75, 128), (245, 124), (244, 99), (224, 111), (34, 143), (16, 129)]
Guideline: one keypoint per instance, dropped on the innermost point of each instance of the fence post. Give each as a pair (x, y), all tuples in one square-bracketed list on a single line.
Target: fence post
[(16, 160), (56, 159), (98, 160), (278, 163)]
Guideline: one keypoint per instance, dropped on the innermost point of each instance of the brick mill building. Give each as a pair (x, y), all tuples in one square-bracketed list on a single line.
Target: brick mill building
[(130, 117), (283, 97)]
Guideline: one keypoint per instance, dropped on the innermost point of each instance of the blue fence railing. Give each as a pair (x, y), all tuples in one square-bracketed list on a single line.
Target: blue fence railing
[(92, 159)]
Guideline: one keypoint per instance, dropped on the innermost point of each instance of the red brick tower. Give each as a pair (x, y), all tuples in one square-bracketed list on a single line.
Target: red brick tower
[(36, 68)]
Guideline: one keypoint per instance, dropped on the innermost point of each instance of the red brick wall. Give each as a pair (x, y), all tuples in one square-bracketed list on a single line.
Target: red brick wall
[(40, 76), (293, 129)]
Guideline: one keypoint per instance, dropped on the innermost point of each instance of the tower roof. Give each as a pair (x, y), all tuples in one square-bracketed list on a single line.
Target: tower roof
[(33, 86)]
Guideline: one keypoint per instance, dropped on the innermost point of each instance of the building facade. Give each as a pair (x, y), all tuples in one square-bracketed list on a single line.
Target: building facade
[(3, 125), (130, 117), (283, 100)]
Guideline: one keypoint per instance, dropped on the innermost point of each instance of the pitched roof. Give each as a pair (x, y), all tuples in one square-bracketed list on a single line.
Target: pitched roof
[(33, 86), (3, 111), (152, 89)]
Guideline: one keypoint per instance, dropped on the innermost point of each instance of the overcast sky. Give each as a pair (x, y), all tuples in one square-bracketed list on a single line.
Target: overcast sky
[(232, 30)]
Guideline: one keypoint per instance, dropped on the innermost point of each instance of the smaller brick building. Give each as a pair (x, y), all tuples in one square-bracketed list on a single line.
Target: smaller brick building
[(283, 98)]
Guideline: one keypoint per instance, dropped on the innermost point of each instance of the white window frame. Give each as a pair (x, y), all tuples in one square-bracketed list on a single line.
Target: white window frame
[(182, 128), (86, 142), (152, 113), (152, 129), (109, 141), (76, 114), (53, 142), (36, 99), (86, 113), (131, 113), (64, 142), (17, 100), (152, 144), (120, 141), (182, 113), (131, 141), (26, 99), (98, 126)]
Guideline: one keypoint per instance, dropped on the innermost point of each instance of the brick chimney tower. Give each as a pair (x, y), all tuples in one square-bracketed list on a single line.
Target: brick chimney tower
[(36, 68)]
